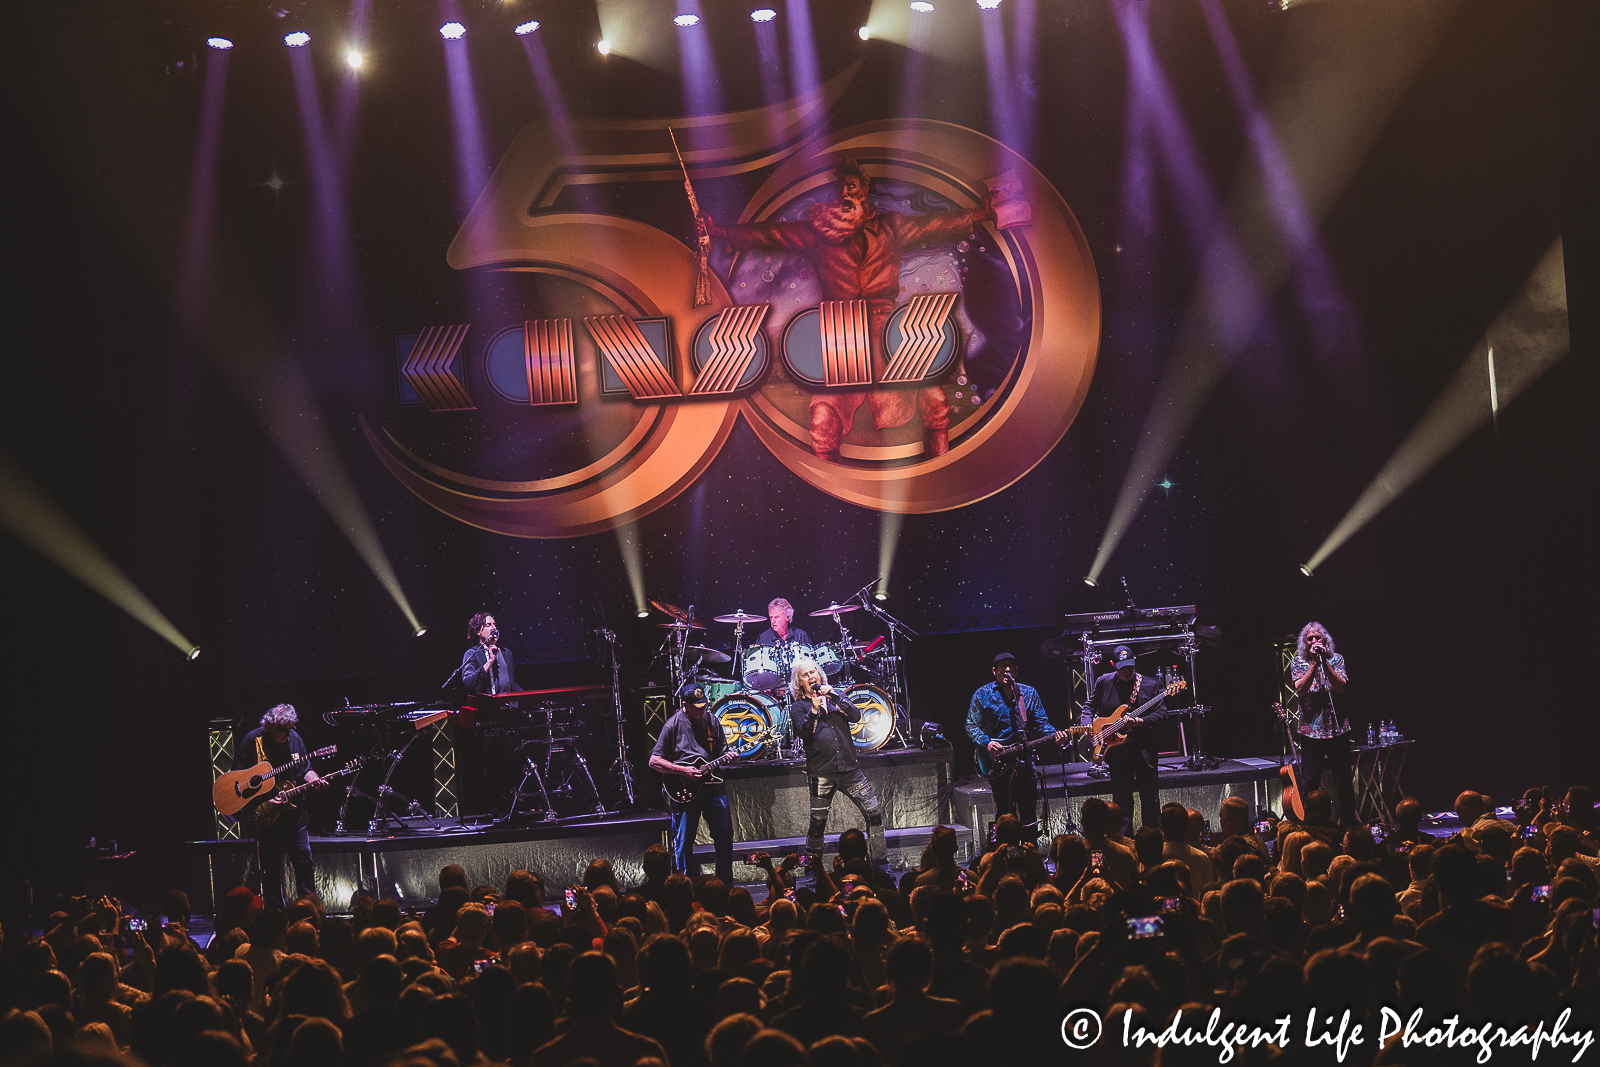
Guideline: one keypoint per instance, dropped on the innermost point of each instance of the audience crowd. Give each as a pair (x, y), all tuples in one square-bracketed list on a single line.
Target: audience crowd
[(845, 965)]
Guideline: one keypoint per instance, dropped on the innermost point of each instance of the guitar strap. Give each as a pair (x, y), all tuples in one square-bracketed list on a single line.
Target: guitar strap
[(261, 751)]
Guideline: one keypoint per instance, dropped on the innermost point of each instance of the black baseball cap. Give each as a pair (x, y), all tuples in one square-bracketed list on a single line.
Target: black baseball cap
[(692, 693), (1004, 657), (1123, 657)]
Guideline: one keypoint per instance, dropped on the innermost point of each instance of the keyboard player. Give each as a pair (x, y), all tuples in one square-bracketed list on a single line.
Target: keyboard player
[(486, 667)]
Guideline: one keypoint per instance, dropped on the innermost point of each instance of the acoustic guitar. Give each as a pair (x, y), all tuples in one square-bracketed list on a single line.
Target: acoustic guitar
[(238, 790), (1293, 799), (681, 790), (1108, 732), (269, 813)]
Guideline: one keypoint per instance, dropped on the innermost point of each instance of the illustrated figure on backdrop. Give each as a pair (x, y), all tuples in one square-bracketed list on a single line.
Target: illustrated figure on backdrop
[(486, 667), (282, 829), (1319, 672), (689, 735), (1133, 763), (855, 251), (821, 716), (1003, 713)]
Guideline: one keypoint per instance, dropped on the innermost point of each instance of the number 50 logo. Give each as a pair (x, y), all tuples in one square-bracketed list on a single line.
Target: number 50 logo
[(1026, 300)]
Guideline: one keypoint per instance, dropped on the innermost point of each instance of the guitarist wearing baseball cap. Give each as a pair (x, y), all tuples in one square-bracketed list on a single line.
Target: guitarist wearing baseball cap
[(1131, 756), (1006, 720), (690, 740)]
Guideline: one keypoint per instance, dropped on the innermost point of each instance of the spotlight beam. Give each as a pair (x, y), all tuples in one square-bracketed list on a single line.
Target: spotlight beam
[(1527, 338), (1344, 69), (35, 519)]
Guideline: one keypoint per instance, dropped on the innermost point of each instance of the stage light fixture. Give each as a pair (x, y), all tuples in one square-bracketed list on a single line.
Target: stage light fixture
[(880, 595), (452, 31), (419, 631), (221, 44), (526, 28), (297, 39), (354, 59), (685, 20), (643, 613), (921, 7), (1089, 581), (763, 14), (865, 33), (194, 653), (1305, 569), (988, 5), (603, 46)]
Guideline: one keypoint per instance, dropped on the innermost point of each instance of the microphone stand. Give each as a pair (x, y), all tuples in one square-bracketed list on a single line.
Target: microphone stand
[(624, 769), (897, 629)]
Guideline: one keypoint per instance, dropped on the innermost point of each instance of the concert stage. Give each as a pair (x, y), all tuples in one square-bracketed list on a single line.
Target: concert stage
[(406, 866), (972, 803)]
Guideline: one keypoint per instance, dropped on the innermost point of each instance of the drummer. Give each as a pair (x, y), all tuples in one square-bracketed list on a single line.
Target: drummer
[(821, 717), (783, 636)]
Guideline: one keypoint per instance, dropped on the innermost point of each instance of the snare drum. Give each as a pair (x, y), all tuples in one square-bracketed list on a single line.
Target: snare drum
[(877, 717), (764, 668), (744, 717)]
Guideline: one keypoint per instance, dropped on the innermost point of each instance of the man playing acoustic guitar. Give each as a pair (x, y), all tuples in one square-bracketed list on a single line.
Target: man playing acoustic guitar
[(1132, 763), (280, 831), (1004, 713)]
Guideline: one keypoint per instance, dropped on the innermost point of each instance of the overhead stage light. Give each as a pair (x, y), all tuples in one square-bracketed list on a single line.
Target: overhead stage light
[(686, 19), (194, 653), (922, 7), (419, 631), (297, 39), (1090, 582), (1305, 569), (526, 28), (880, 595), (219, 43), (763, 14), (988, 5), (643, 613), (354, 59), (603, 46), (452, 31), (865, 33)]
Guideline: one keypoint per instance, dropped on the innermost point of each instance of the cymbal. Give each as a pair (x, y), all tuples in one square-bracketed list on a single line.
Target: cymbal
[(740, 616), (835, 609), (680, 626), (670, 609), (702, 654)]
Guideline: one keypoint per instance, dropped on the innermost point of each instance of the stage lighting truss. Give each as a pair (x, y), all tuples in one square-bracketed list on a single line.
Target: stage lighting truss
[(685, 20), (763, 14), (297, 39), (221, 44), (526, 28), (452, 31)]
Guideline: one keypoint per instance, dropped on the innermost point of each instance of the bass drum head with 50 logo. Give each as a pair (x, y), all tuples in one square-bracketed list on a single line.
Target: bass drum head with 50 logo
[(877, 717), (744, 717)]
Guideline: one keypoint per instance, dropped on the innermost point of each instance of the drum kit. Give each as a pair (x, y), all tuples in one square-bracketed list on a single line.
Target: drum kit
[(756, 698)]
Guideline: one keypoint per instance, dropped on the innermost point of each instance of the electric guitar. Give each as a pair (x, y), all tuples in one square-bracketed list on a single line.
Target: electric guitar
[(1108, 732), (1002, 762), (238, 790), (269, 813), (1293, 799), (681, 790)]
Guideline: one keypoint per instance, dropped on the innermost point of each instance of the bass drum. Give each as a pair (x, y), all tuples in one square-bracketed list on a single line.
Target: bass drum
[(744, 718), (764, 669), (877, 717)]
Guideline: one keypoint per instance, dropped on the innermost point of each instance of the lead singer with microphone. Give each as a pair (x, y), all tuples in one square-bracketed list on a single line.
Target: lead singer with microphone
[(821, 717), (1319, 672), (486, 667)]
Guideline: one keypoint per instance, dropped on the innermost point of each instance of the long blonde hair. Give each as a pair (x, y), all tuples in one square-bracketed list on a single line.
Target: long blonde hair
[(797, 689)]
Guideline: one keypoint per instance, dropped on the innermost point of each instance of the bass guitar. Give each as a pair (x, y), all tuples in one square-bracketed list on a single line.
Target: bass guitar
[(238, 790), (269, 813), (1293, 799), (681, 790), (1108, 732), (1002, 762)]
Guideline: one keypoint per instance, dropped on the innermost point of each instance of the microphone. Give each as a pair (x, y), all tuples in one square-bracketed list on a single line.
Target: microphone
[(494, 636)]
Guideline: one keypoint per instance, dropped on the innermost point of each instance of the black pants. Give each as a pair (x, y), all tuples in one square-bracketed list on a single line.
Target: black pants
[(1334, 755), (1016, 793), (290, 834), (1131, 772)]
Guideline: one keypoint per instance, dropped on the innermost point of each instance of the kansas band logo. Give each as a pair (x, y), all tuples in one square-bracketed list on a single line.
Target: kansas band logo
[(906, 314)]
